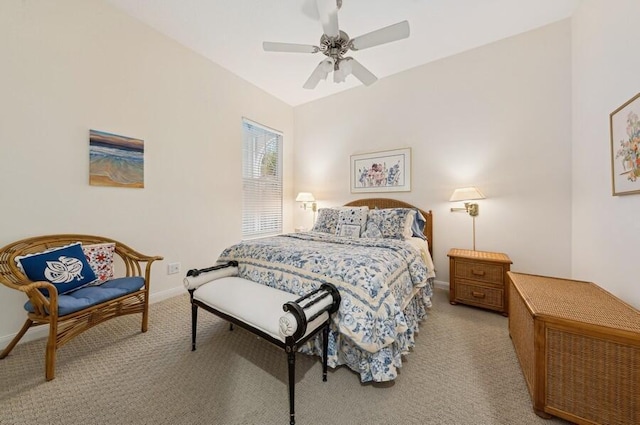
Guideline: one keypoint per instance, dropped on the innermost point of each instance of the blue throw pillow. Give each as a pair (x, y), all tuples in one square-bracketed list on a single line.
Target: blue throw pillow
[(418, 225), (65, 267)]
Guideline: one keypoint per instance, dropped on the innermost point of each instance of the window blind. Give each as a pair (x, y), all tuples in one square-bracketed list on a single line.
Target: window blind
[(261, 180)]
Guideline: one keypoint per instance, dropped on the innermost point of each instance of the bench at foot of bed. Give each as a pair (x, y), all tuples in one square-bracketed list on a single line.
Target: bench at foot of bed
[(258, 309)]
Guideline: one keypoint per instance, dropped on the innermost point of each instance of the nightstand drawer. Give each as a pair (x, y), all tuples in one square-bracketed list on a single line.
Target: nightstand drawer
[(482, 272), (478, 278), (481, 296)]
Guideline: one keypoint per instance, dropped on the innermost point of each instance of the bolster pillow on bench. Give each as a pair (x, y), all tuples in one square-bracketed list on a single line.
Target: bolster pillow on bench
[(194, 282), (287, 323)]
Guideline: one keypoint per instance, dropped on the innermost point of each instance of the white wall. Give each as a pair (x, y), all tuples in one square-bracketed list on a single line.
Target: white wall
[(606, 73), (68, 66), (498, 117)]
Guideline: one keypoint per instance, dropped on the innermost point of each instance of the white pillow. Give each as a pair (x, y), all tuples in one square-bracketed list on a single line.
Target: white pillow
[(408, 225), (352, 216)]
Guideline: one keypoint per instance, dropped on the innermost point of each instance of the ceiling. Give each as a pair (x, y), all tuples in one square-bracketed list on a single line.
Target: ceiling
[(230, 33)]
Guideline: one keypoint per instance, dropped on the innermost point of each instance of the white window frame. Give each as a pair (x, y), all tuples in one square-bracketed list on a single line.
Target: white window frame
[(262, 182)]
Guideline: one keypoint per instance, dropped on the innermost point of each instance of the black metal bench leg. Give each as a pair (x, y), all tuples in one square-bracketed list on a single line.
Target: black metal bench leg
[(325, 351), (291, 357), (194, 325)]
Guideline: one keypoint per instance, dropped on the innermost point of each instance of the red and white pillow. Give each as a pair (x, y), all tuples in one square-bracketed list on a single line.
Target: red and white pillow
[(100, 258)]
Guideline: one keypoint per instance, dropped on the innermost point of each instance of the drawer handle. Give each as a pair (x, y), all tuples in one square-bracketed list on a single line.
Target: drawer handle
[(477, 294), (477, 273)]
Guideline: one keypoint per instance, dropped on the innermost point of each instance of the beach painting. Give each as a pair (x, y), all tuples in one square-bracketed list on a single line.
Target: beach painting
[(115, 160)]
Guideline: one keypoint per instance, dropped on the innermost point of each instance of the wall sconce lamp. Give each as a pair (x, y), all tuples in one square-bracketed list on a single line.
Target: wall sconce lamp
[(466, 194), (307, 198), (308, 202)]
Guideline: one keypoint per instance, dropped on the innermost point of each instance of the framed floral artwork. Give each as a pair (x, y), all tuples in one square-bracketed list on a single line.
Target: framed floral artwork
[(386, 171), (625, 147)]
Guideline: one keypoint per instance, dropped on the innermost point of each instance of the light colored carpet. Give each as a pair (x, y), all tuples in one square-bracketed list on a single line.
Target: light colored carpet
[(462, 371)]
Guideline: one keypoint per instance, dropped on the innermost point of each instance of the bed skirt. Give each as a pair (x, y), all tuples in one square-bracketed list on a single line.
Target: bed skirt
[(382, 365)]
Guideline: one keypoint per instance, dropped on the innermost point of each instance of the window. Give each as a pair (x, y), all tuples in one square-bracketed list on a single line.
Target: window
[(261, 180)]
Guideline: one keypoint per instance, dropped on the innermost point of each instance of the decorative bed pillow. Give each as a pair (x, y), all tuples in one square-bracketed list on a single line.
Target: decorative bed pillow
[(350, 230), (352, 216), (417, 228), (372, 230), (65, 267), (408, 224), (393, 223), (327, 221), (100, 258)]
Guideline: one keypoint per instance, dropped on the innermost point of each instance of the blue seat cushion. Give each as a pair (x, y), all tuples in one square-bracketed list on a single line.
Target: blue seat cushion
[(92, 295)]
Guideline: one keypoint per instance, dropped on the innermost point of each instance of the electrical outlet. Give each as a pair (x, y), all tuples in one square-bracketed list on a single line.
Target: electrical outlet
[(173, 268)]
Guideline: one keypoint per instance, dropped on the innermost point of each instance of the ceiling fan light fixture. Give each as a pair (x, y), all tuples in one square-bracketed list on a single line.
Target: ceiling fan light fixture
[(345, 66), (327, 66), (335, 44)]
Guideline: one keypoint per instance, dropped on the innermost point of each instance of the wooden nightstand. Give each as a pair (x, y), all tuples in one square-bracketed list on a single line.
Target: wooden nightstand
[(479, 278)]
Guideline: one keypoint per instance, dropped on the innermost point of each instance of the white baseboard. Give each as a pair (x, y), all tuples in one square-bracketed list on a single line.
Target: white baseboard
[(166, 294), (43, 331), (441, 284)]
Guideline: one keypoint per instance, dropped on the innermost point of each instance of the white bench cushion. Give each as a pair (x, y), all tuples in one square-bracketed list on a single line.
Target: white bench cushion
[(255, 304)]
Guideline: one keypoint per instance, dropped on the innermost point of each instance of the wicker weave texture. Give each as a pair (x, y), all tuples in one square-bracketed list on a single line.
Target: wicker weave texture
[(374, 203), (480, 255), (579, 301), (489, 273), (592, 378), (486, 297), (585, 350), (10, 273), (63, 329), (521, 329)]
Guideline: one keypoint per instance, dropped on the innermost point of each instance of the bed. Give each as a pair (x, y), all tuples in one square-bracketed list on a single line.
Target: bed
[(383, 270)]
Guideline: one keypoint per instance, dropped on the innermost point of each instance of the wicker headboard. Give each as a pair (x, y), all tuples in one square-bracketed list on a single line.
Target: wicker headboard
[(373, 203)]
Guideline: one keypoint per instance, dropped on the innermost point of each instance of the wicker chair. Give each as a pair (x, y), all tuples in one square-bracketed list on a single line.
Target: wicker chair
[(63, 328)]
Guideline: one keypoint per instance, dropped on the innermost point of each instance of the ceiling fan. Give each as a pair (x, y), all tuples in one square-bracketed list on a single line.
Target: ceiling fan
[(335, 44)]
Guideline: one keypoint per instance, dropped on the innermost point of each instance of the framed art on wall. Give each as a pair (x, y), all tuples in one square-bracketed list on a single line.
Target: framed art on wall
[(115, 160), (385, 171), (625, 147)]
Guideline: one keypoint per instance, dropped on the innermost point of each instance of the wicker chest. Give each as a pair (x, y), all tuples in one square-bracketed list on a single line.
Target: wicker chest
[(479, 278), (579, 349)]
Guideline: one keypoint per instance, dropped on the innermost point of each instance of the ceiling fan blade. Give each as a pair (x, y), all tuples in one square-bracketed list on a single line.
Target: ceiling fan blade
[(362, 73), (320, 73), (383, 35), (310, 9), (270, 46), (328, 12)]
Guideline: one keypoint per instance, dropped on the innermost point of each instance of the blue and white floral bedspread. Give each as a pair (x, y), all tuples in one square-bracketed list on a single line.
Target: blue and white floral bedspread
[(377, 279)]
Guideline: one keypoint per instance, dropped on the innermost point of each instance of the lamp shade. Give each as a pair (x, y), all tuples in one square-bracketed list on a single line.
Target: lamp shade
[(305, 197), (466, 194)]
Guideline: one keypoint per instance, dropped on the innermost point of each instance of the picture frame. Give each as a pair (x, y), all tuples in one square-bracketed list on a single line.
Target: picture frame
[(624, 125), (384, 171), (115, 160)]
